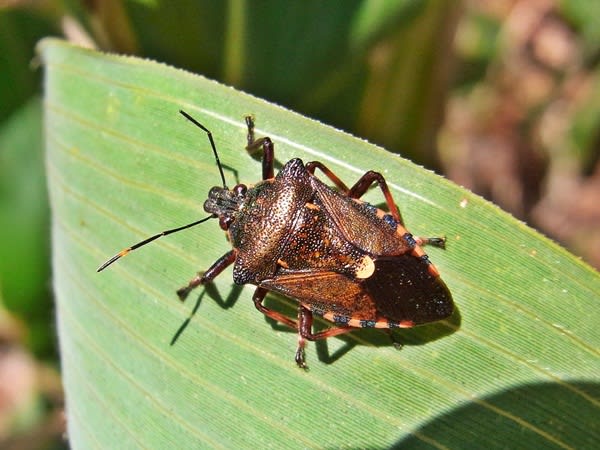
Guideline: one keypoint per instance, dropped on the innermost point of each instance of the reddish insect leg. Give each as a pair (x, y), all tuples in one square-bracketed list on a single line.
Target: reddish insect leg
[(314, 165), (258, 297), (303, 325), (202, 278), (305, 320), (363, 184), (435, 241), (360, 187), (267, 147)]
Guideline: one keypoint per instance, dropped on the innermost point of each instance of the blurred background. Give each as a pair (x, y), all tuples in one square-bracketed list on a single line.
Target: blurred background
[(500, 96)]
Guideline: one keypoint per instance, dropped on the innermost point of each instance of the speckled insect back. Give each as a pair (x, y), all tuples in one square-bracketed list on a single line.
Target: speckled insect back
[(339, 257)]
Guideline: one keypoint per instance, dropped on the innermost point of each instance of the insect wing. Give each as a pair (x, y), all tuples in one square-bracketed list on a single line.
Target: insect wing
[(324, 292), (358, 222), (400, 292), (403, 288)]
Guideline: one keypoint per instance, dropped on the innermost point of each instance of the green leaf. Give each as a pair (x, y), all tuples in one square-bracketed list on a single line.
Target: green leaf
[(516, 367)]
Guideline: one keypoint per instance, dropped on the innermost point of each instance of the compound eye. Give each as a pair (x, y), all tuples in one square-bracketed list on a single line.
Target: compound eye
[(225, 222), (240, 190)]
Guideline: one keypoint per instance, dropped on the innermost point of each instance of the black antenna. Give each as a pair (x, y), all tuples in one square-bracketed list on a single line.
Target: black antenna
[(147, 241), (212, 143), (189, 225)]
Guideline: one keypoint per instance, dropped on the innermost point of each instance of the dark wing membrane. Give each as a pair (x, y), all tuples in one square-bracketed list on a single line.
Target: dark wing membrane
[(357, 223), (403, 289), (325, 292)]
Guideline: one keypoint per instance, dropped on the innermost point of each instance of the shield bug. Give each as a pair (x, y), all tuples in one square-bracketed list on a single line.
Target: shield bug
[(339, 257)]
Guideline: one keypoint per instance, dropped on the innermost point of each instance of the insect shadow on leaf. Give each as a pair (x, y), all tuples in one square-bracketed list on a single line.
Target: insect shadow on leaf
[(213, 293)]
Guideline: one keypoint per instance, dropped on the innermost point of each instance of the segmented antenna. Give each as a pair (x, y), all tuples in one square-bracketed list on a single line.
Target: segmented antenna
[(147, 241), (212, 143), (125, 251)]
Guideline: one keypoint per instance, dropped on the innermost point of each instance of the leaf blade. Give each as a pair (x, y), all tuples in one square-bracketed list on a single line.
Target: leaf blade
[(122, 165)]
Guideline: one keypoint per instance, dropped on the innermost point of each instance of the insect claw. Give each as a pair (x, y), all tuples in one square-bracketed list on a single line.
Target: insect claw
[(300, 359), (395, 342), (183, 293), (439, 242)]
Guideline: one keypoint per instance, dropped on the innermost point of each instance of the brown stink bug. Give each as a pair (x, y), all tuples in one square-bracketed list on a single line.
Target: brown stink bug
[(337, 256)]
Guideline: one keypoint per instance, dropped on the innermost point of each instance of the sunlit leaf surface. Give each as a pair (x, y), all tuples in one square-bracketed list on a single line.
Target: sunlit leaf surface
[(516, 367)]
